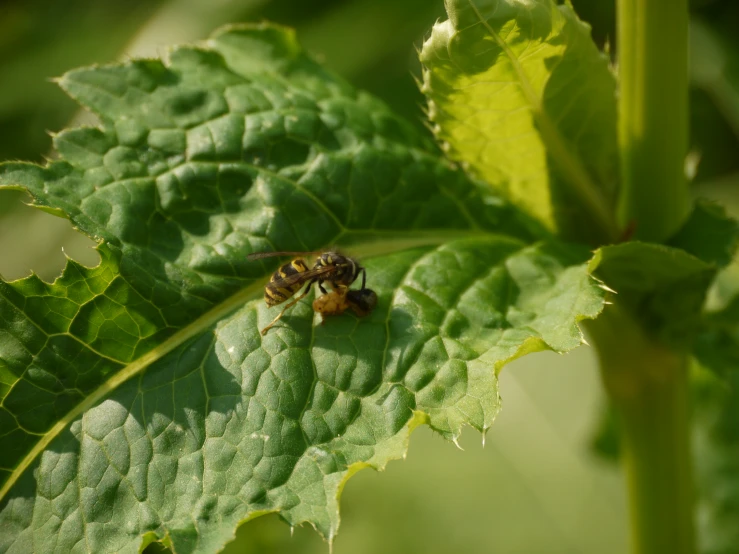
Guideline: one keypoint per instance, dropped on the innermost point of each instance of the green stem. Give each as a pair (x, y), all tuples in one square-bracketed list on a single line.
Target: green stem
[(653, 115), (647, 382), (648, 385)]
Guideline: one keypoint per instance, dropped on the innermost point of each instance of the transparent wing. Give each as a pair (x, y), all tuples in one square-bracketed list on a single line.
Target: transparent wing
[(260, 255), (303, 277)]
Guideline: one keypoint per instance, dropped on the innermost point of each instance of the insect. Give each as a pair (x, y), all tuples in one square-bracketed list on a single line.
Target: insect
[(337, 270), (361, 302)]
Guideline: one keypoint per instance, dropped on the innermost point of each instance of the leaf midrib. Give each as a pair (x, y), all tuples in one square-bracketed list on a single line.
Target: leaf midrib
[(217, 313)]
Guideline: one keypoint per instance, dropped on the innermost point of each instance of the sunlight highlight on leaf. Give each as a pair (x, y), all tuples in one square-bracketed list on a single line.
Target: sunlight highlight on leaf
[(519, 93)]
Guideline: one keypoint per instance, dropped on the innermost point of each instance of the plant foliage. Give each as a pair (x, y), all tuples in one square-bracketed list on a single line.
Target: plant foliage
[(139, 401), (141, 390)]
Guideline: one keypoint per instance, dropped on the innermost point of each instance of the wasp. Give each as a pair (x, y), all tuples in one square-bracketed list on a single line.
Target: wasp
[(361, 302), (337, 270)]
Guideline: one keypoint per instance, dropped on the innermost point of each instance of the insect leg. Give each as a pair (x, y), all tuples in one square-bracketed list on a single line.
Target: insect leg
[(321, 287), (364, 278), (291, 304)]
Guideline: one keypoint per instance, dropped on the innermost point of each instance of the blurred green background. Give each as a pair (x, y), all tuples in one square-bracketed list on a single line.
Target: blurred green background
[(536, 487)]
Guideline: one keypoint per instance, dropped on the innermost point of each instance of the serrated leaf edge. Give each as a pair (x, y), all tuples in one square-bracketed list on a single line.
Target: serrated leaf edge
[(248, 294)]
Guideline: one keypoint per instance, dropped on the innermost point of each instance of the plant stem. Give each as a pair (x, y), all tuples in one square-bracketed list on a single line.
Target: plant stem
[(648, 385), (653, 115), (646, 381)]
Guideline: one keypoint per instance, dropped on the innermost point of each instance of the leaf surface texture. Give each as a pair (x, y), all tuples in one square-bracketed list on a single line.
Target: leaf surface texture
[(139, 398)]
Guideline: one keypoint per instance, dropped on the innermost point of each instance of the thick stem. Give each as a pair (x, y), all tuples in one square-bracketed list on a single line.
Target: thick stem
[(646, 381), (648, 385), (653, 115)]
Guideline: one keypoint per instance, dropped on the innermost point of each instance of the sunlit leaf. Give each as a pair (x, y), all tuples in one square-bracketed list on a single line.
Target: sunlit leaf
[(139, 398), (519, 92)]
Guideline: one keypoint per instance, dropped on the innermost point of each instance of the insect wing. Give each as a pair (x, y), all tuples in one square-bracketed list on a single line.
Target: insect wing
[(302, 277), (260, 255)]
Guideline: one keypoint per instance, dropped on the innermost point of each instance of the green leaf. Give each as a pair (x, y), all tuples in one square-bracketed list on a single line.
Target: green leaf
[(140, 401), (709, 234), (717, 345), (712, 235), (664, 287), (520, 94)]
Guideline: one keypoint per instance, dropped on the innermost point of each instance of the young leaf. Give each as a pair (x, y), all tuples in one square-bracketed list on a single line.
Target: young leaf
[(519, 93), (664, 287), (140, 401)]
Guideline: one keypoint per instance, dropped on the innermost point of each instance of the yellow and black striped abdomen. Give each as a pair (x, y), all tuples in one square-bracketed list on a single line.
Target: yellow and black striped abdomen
[(275, 292)]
